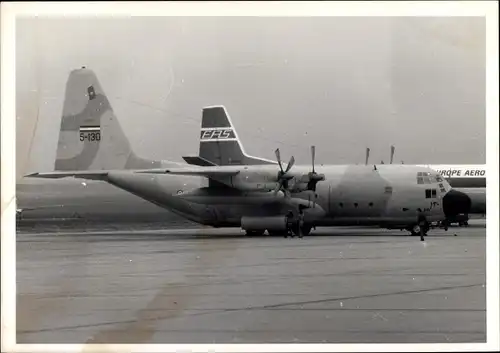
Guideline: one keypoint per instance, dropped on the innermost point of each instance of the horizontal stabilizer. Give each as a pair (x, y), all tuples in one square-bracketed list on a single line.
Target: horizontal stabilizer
[(196, 160)]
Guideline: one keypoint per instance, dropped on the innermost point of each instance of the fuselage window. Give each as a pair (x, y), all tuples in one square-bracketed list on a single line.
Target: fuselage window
[(370, 204), (341, 205), (355, 204), (433, 193)]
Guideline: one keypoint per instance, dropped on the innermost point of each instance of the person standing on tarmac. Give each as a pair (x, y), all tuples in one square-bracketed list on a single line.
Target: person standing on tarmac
[(289, 225), (301, 222)]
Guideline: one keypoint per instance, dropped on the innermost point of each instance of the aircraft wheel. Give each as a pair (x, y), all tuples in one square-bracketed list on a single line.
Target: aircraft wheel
[(254, 233), (414, 231)]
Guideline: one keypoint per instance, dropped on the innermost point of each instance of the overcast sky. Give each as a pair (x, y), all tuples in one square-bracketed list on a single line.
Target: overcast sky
[(343, 84)]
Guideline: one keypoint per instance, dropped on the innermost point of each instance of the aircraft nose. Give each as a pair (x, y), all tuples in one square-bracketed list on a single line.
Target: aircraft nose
[(456, 202)]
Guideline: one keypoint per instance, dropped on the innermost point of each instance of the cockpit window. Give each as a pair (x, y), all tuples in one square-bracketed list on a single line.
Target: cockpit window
[(428, 178), (424, 178)]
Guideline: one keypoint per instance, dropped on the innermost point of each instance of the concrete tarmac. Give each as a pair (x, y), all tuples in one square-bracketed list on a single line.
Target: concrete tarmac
[(338, 285)]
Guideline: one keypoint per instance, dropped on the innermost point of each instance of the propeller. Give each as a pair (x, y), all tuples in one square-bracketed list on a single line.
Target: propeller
[(314, 177), (392, 153), (367, 155), (283, 177)]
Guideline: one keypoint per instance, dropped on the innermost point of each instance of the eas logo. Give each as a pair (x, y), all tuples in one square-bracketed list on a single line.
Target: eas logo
[(219, 134)]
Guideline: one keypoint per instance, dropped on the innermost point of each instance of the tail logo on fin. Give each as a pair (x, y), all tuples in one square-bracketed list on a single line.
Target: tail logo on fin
[(217, 134)]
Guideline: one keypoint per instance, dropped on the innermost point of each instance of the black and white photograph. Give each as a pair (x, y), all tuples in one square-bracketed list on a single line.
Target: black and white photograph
[(224, 177)]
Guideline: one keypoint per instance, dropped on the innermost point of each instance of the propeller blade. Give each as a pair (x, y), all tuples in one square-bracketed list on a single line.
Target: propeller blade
[(290, 164), (367, 155), (392, 153), (278, 188), (278, 157), (313, 155)]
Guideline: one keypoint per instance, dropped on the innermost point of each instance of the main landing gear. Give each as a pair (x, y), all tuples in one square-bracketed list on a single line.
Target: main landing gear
[(300, 232), (255, 233), (295, 231), (292, 232)]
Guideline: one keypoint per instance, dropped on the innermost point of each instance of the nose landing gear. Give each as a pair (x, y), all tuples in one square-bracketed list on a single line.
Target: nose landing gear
[(420, 229)]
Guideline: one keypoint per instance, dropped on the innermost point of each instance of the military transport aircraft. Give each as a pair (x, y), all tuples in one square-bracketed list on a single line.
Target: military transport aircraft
[(256, 197)]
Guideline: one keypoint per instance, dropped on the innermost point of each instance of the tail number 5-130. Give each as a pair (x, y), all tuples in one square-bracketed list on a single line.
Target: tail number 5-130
[(90, 136)]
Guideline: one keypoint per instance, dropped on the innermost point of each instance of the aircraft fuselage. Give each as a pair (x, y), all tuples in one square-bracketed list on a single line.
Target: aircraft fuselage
[(349, 195)]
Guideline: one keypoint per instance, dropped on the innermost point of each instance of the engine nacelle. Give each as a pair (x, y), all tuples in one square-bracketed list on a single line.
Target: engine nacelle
[(247, 186), (263, 223), (298, 187)]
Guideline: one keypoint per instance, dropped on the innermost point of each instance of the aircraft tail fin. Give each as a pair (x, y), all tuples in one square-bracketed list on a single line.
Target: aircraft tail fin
[(90, 136), (219, 141)]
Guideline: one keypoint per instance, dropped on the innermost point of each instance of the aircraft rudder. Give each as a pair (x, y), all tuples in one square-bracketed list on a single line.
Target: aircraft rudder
[(215, 117)]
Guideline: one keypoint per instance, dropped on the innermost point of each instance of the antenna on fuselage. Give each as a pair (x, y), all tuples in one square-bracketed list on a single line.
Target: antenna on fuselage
[(393, 149)]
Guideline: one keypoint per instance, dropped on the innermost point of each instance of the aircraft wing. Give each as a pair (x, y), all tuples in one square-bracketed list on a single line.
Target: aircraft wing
[(208, 172), (83, 174)]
